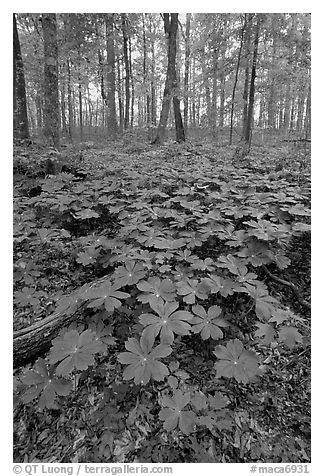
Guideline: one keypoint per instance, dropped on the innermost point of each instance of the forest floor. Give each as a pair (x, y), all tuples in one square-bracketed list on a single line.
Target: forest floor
[(186, 213)]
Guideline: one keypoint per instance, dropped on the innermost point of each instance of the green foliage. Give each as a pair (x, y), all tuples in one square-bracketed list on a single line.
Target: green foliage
[(173, 414), (165, 267), (235, 361), (43, 384), (75, 351), (143, 360)]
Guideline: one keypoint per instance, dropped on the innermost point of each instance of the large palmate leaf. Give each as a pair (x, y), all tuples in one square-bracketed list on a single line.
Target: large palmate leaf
[(235, 361), (142, 359), (75, 351), (166, 321), (129, 274), (192, 289), (224, 286), (257, 252), (156, 290), (107, 294), (174, 414), (42, 383), (264, 303), (208, 323)]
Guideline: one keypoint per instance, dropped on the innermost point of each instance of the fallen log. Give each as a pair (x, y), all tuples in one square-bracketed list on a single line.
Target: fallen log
[(34, 341)]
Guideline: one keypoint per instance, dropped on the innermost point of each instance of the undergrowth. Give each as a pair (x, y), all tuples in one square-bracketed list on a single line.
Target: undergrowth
[(187, 347)]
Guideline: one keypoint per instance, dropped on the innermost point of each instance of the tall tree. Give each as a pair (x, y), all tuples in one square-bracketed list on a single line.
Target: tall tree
[(111, 80), (248, 20), (248, 129), (51, 109), (186, 74), (171, 83), (20, 127), (127, 69), (236, 77)]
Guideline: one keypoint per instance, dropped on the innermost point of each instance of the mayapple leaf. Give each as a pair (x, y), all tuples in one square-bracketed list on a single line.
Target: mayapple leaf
[(235, 361), (167, 321), (174, 415), (75, 351), (208, 323), (43, 384), (142, 359)]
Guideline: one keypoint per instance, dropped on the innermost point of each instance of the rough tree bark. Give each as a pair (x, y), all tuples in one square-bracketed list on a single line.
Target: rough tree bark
[(51, 109), (20, 118), (171, 84)]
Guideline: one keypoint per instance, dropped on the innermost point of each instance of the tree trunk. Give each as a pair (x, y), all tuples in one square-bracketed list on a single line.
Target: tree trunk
[(120, 98), (80, 111), (248, 131), (20, 118), (248, 20), (214, 94), (170, 89), (236, 78), (307, 123), (193, 92), (111, 81), (70, 101), (51, 111), (207, 88), (153, 90), (63, 115), (132, 84), (39, 111), (187, 67), (222, 94), (126, 61)]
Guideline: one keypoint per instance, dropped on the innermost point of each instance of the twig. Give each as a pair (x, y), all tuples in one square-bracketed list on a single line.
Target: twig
[(290, 285)]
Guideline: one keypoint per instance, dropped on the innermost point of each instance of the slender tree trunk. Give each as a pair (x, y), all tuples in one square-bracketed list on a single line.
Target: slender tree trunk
[(170, 89), (207, 89), (70, 103), (222, 92), (287, 107), (272, 104), (187, 67), (300, 109), (248, 20), (20, 118), (51, 116), (111, 81), (236, 78), (126, 62), (193, 92), (63, 114), (120, 98), (147, 96), (153, 89), (132, 84), (80, 111), (248, 131), (307, 123), (39, 111)]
